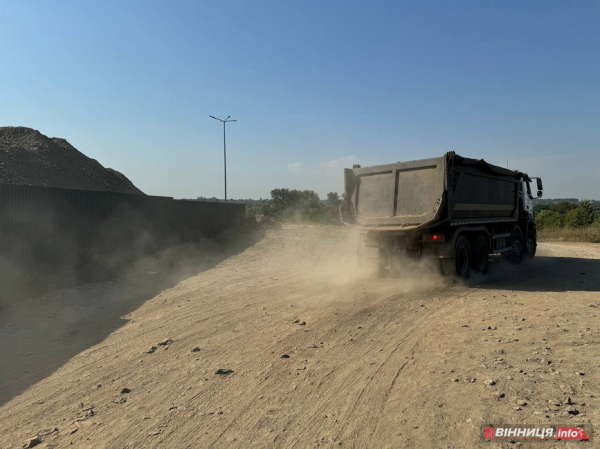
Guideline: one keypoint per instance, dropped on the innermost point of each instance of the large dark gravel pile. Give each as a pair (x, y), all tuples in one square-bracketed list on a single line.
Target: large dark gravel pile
[(27, 157)]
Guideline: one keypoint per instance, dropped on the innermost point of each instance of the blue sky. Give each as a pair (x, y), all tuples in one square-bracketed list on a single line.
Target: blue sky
[(316, 86)]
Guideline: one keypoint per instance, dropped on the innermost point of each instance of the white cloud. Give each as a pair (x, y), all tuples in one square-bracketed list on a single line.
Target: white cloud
[(320, 168), (322, 177), (338, 164), (295, 166)]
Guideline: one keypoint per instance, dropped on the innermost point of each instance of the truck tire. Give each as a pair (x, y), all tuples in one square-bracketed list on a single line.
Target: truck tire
[(515, 255), (481, 255), (530, 244), (460, 265)]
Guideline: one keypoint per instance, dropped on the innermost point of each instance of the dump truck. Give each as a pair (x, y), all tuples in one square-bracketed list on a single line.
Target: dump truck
[(451, 208)]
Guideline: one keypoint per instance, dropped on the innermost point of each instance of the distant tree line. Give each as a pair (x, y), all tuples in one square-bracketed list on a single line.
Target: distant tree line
[(293, 206), (567, 214), (306, 206), (248, 202)]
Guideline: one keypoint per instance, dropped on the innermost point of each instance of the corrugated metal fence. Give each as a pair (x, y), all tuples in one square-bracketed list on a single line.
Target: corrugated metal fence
[(43, 227)]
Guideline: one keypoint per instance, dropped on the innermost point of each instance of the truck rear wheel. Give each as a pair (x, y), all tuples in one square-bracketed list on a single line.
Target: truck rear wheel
[(515, 255), (481, 255), (460, 265), (530, 244), (463, 255)]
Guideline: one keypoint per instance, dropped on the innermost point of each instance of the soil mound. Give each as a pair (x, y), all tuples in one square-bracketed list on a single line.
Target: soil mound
[(27, 157)]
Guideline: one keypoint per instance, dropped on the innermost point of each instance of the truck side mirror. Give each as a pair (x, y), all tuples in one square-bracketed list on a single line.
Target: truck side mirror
[(539, 184), (540, 193)]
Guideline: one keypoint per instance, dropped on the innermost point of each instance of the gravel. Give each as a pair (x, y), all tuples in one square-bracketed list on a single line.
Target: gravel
[(27, 157)]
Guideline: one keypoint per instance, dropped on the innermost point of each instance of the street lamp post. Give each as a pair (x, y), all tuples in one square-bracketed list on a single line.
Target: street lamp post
[(224, 149)]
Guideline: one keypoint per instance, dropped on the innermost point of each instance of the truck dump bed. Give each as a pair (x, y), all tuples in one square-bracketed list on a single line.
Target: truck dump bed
[(448, 189)]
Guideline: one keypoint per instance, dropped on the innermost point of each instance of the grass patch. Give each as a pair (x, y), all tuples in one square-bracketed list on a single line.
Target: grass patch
[(587, 234)]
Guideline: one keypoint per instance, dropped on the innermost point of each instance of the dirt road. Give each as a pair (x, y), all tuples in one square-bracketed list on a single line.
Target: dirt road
[(322, 354)]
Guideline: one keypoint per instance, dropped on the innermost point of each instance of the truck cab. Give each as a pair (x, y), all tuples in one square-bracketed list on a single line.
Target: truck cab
[(527, 198)]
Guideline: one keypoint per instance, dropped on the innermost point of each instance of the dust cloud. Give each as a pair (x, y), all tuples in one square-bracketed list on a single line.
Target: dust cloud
[(327, 256), (43, 328), (306, 266)]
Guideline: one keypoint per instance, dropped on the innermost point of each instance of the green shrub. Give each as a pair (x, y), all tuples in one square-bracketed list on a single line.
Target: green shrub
[(580, 217), (548, 219), (567, 215), (299, 206), (569, 222), (563, 207)]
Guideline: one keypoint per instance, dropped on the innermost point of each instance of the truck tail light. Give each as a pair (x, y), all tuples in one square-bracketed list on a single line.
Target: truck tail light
[(434, 238)]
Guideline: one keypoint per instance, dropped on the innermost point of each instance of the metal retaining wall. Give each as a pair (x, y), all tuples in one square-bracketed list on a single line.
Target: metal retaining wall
[(42, 227)]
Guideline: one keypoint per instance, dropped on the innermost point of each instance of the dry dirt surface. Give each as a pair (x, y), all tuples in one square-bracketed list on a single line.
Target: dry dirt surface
[(287, 343)]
